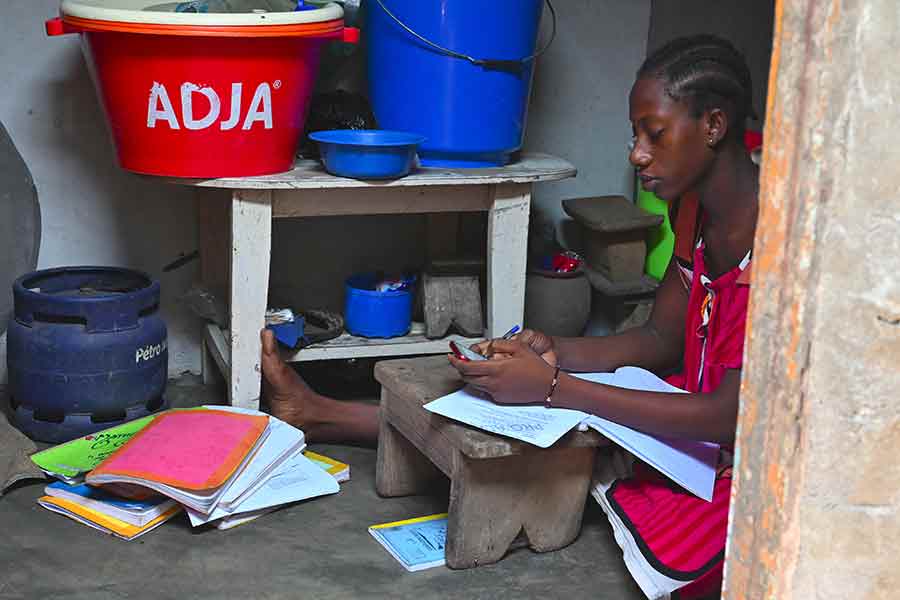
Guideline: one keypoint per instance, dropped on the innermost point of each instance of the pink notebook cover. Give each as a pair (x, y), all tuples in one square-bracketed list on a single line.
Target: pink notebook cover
[(193, 450)]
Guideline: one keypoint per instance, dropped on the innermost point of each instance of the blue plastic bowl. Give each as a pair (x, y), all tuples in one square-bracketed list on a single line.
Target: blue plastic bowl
[(374, 314), (367, 153)]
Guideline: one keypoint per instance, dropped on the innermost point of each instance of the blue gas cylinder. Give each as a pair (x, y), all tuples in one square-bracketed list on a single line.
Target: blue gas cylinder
[(86, 350)]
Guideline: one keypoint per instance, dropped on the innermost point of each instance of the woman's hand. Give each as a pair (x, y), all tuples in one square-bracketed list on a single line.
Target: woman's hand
[(516, 374), (540, 343)]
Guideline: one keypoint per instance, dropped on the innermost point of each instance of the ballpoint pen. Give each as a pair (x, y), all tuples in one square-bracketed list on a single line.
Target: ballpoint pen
[(464, 353), (511, 332)]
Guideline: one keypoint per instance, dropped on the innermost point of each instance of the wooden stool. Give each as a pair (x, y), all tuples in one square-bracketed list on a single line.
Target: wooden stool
[(452, 299), (615, 232), (627, 304), (499, 487)]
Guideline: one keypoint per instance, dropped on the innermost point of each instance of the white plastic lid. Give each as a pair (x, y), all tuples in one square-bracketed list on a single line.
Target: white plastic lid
[(134, 11)]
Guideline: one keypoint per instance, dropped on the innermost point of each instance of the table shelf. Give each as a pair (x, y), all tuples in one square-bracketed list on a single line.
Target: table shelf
[(344, 346), (241, 232), (310, 175)]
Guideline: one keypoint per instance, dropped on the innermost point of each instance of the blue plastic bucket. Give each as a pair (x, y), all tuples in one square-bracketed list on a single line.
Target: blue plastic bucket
[(374, 314), (472, 115)]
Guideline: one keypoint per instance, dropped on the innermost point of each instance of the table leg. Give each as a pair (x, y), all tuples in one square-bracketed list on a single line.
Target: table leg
[(213, 209), (507, 253), (208, 367), (251, 245), (493, 500), (401, 469)]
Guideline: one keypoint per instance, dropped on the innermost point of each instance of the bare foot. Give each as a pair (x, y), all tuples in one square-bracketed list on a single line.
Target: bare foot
[(321, 418), (289, 397)]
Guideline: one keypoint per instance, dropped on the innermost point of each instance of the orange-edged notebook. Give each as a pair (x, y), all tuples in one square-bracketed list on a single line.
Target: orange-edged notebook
[(190, 450), (103, 522)]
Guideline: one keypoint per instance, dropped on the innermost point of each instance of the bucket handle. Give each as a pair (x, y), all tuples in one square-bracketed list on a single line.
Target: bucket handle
[(511, 66), (56, 26)]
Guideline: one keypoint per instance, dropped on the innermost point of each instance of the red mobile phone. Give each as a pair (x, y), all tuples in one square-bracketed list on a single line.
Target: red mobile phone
[(463, 353)]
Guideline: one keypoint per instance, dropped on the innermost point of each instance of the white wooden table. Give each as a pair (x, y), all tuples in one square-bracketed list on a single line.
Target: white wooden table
[(307, 190)]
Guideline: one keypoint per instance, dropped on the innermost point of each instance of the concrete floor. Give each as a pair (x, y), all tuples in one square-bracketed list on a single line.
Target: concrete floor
[(316, 549)]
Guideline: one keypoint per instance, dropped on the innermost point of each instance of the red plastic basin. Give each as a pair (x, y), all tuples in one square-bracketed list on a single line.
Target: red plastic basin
[(203, 101)]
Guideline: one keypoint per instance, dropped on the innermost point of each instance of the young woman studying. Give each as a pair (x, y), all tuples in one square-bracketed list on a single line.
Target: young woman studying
[(687, 107)]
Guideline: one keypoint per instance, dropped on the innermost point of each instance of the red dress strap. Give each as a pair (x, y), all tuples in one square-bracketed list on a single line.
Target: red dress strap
[(685, 218)]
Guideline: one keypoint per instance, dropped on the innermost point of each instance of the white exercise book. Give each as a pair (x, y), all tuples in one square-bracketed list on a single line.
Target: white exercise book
[(533, 424), (297, 479), (283, 443), (689, 463)]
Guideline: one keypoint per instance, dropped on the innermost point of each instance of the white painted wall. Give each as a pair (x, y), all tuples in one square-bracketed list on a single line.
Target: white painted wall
[(95, 213), (579, 105), (747, 25)]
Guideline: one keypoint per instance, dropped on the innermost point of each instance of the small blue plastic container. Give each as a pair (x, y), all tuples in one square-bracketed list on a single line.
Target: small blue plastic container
[(368, 153), (373, 314)]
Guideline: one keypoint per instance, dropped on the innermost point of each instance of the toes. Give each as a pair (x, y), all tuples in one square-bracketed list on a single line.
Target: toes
[(273, 367), (268, 342), (270, 357)]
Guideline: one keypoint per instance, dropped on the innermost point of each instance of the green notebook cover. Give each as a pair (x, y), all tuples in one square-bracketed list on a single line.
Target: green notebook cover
[(78, 456)]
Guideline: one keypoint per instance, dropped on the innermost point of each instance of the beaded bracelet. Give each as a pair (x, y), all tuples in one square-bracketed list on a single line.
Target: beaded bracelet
[(548, 401)]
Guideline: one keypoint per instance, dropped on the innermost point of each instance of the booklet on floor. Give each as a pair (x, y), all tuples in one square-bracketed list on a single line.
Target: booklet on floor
[(417, 544)]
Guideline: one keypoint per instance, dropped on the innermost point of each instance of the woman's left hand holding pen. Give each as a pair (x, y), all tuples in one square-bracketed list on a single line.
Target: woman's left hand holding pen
[(515, 374), (539, 342), (486, 348)]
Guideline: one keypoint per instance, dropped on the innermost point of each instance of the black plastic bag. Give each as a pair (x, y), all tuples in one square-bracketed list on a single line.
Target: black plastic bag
[(335, 110)]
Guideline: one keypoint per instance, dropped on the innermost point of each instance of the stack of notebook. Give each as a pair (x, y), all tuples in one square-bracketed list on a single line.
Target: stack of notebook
[(222, 464), (190, 456), (111, 514)]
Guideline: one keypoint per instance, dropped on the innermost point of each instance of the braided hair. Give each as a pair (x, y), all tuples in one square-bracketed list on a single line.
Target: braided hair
[(707, 72)]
